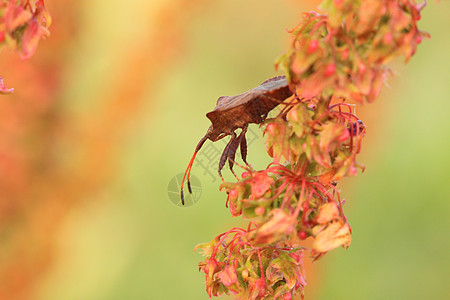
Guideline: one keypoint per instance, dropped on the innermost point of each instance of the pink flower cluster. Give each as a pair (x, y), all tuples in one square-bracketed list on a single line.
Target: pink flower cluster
[(336, 60), (22, 25)]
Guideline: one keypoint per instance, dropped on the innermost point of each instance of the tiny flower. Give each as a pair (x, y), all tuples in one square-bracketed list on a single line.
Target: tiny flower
[(229, 278), (332, 236), (260, 183), (31, 37), (4, 89), (327, 212), (280, 224), (259, 288), (211, 267), (352, 171)]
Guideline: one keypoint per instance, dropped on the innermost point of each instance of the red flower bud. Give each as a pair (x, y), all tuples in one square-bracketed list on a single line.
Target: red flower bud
[(260, 210), (302, 234), (388, 38), (338, 2), (352, 171), (270, 129), (245, 174), (344, 54), (292, 115), (312, 46), (418, 39), (305, 206), (345, 135), (330, 70), (362, 68), (233, 194), (228, 276)]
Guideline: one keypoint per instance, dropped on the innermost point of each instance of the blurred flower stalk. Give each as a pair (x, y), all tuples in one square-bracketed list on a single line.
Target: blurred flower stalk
[(52, 158), (338, 59)]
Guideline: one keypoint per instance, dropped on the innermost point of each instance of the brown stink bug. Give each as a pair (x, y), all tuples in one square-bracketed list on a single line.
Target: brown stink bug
[(233, 112)]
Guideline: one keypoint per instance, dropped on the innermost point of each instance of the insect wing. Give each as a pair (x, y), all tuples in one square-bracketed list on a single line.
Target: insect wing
[(273, 84)]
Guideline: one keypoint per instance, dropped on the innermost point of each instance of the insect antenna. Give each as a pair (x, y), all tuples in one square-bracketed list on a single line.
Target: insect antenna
[(189, 167)]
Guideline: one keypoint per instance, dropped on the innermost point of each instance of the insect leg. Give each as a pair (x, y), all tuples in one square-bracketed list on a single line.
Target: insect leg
[(224, 157), (232, 152), (243, 145)]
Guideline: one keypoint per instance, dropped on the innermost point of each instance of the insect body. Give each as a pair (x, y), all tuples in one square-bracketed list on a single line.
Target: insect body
[(233, 112)]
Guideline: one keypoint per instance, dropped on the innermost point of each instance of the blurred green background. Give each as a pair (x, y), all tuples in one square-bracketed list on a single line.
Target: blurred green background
[(125, 240)]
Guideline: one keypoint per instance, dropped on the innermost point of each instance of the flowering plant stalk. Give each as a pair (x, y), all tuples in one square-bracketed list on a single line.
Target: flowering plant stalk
[(22, 25), (338, 58)]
